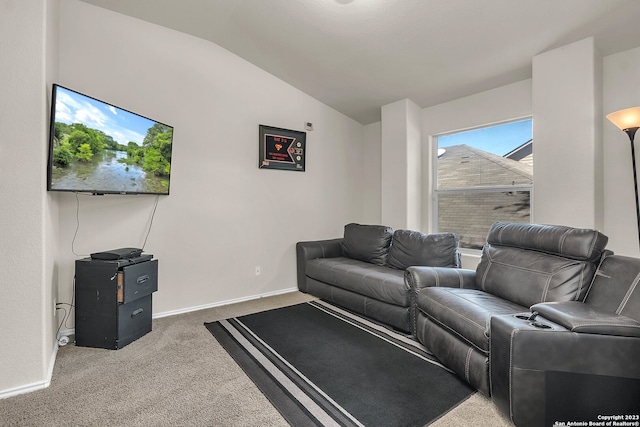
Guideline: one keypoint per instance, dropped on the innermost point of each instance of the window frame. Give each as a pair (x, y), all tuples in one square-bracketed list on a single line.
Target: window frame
[(435, 192)]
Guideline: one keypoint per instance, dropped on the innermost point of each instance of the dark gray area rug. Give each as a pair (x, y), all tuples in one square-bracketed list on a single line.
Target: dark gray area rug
[(321, 365)]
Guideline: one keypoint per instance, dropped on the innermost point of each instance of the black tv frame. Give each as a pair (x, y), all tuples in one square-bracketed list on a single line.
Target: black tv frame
[(50, 160)]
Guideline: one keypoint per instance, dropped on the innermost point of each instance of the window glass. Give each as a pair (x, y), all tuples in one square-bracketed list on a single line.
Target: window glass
[(470, 214), (483, 176)]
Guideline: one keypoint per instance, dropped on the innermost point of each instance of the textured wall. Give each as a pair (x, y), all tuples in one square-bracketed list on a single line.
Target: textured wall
[(224, 216), (621, 90), (27, 310), (567, 137)]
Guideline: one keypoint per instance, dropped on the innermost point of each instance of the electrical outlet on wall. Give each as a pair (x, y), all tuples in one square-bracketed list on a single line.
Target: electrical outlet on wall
[(258, 270)]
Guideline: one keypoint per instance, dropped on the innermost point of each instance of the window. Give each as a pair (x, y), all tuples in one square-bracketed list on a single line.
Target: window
[(483, 176)]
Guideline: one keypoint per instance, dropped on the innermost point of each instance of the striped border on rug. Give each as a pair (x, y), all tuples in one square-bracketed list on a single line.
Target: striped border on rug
[(382, 332), (305, 401), (315, 401)]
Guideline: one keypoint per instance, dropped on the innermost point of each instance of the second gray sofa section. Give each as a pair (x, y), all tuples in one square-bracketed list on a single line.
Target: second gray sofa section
[(364, 270)]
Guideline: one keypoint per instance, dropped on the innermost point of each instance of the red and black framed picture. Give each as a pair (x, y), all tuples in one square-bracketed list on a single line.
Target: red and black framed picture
[(282, 149)]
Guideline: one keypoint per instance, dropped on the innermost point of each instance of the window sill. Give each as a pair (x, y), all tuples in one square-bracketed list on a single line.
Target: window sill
[(470, 258)]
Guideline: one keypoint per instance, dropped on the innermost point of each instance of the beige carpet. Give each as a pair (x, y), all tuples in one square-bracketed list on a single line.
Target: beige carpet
[(177, 375)]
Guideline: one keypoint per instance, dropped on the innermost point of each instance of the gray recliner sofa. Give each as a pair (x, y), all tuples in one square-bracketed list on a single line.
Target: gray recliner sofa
[(521, 265), (364, 270), (572, 361)]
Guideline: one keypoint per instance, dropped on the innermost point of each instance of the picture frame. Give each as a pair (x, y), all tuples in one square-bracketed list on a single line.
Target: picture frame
[(283, 149)]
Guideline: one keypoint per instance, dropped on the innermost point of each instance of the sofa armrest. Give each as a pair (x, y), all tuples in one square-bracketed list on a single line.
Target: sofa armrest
[(417, 278), (528, 359), (583, 318), (306, 251)]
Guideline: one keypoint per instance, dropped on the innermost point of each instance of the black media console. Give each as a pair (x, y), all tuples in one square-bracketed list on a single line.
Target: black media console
[(113, 300)]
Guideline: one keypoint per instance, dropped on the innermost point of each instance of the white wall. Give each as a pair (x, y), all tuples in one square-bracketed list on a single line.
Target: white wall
[(51, 213), (224, 216), (26, 356), (621, 90), (372, 174), (401, 174), (567, 148)]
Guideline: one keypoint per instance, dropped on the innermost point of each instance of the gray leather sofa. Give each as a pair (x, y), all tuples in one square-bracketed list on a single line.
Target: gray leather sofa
[(573, 361), (521, 265), (364, 270)]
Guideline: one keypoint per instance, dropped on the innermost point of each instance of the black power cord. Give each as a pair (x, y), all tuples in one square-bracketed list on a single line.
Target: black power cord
[(67, 314), (153, 215), (75, 234)]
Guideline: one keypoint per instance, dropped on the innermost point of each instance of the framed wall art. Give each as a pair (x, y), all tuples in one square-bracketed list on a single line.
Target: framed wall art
[(282, 149)]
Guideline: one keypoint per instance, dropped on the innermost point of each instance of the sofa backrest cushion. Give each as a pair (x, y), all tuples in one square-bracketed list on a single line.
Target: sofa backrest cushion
[(530, 263), (577, 243), (369, 243), (616, 287), (431, 250)]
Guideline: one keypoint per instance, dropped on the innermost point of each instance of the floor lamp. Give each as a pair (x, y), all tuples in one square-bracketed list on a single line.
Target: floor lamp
[(628, 120)]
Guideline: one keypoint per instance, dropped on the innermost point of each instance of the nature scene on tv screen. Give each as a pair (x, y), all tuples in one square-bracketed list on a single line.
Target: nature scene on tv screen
[(101, 148)]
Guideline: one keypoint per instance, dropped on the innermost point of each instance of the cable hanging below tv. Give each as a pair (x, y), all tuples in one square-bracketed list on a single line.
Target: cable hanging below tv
[(98, 148)]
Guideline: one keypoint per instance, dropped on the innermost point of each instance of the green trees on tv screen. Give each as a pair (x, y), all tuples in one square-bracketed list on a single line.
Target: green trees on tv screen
[(81, 143)]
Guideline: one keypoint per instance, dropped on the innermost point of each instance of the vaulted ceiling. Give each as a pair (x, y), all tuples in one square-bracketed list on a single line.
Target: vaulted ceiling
[(358, 55)]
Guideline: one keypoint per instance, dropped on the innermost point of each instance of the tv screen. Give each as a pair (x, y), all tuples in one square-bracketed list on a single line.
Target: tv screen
[(98, 148)]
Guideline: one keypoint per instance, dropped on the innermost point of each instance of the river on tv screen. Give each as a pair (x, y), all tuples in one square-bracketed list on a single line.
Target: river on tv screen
[(97, 147)]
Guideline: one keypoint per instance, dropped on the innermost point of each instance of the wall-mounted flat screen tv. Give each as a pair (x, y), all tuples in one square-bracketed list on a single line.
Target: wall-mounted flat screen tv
[(98, 148)]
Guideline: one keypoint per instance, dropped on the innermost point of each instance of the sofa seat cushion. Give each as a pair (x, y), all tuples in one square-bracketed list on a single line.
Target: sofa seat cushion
[(377, 282), (465, 312)]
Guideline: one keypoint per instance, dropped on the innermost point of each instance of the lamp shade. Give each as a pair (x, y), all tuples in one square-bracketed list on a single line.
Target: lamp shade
[(625, 119)]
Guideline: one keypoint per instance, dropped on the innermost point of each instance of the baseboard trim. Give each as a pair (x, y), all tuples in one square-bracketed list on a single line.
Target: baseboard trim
[(221, 303), (39, 385), (28, 388), (72, 331)]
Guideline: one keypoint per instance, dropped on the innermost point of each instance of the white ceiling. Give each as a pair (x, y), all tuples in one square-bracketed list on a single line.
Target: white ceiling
[(358, 55)]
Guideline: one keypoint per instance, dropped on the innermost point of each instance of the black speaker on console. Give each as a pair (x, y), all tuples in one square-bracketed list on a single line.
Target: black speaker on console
[(113, 254)]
